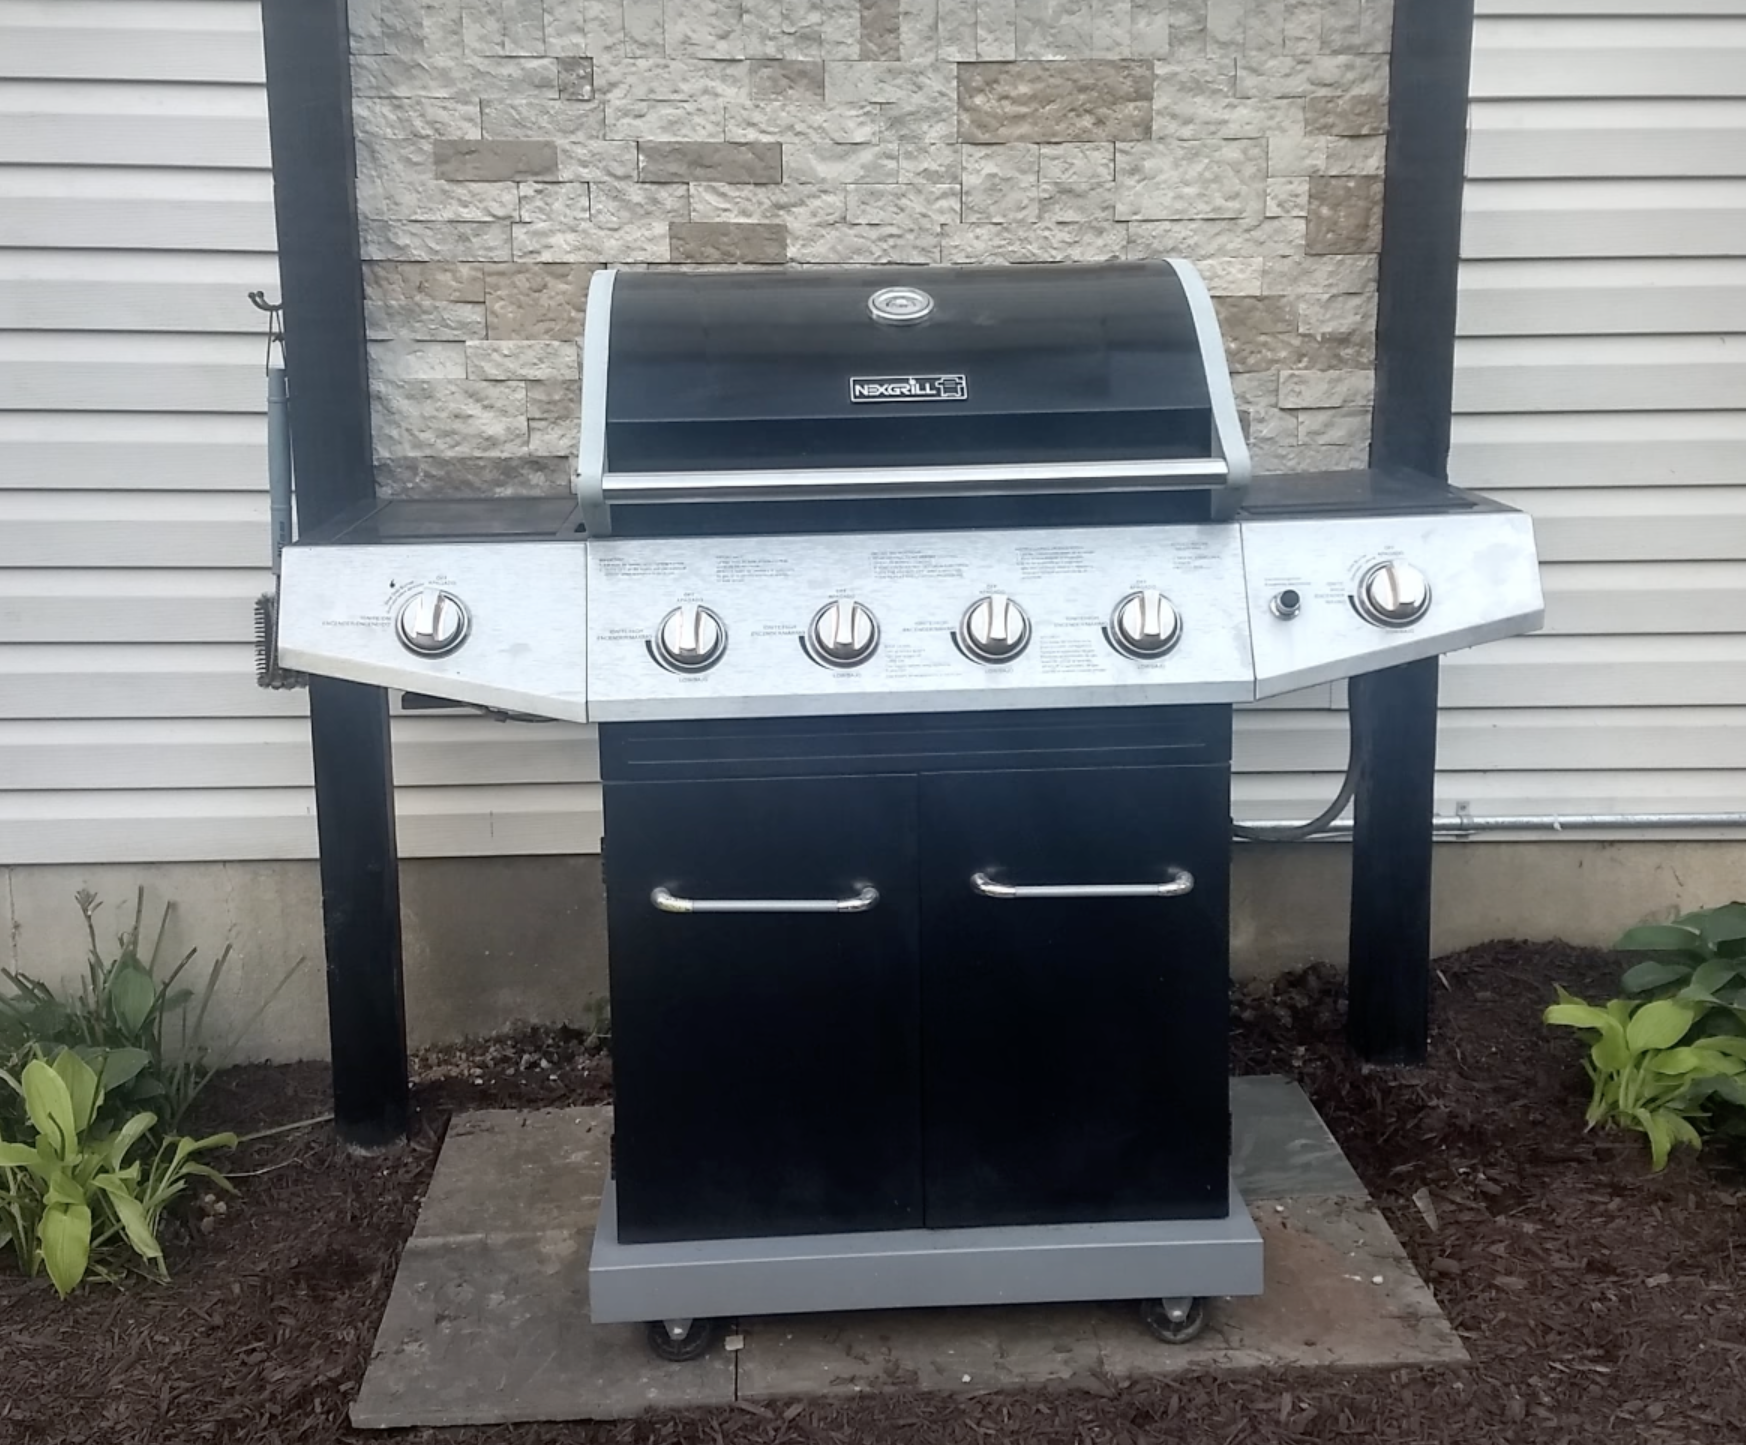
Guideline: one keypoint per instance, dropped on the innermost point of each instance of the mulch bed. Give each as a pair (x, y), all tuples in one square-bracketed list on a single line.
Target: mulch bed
[(1598, 1301)]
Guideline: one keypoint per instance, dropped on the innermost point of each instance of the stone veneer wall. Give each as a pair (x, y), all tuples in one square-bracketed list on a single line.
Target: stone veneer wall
[(509, 148)]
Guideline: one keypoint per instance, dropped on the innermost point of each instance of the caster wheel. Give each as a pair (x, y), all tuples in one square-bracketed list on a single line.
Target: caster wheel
[(1175, 1321), (680, 1340)]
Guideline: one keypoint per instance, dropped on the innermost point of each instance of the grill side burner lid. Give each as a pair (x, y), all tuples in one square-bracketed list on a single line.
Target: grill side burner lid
[(821, 386)]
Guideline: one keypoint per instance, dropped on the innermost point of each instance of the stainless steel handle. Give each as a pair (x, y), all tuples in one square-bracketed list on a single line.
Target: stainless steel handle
[(802, 483), (671, 903), (1181, 881)]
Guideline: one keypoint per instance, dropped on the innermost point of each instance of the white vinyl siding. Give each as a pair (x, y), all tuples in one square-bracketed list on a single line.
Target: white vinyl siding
[(135, 216), (1601, 385)]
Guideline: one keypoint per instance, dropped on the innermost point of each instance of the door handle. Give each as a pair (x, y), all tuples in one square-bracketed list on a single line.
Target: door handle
[(671, 903), (1181, 881)]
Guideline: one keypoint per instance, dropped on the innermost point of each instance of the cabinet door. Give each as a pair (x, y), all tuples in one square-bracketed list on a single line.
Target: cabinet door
[(1074, 1049), (766, 1064)]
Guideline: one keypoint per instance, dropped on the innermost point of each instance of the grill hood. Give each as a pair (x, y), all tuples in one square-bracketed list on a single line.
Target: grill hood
[(852, 386)]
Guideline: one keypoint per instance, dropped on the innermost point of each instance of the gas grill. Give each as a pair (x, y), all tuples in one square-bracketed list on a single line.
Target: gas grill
[(912, 607)]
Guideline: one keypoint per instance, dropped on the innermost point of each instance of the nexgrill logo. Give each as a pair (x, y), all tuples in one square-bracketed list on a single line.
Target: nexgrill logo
[(909, 388)]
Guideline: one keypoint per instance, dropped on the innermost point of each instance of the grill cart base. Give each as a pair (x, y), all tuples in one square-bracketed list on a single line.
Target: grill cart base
[(692, 1280)]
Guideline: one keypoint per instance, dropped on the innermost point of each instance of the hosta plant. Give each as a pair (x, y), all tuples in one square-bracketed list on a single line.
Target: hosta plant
[(117, 1021), (1648, 1070), (133, 1020), (72, 1202), (1699, 957)]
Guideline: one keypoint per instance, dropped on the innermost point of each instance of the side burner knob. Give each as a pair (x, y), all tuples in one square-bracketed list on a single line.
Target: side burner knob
[(431, 622), (843, 634), (1394, 594), (995, 629), (1145, 624), (691, 638)]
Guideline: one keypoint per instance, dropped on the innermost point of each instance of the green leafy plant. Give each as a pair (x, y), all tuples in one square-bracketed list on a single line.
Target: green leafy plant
[(133, 1021), (1699, 957), (72, 1203), (1648, 1070)]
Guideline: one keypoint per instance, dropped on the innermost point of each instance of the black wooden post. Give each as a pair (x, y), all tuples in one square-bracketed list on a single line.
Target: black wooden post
[(360, 905), (1395, 711), (309, 115), (1389, 964)]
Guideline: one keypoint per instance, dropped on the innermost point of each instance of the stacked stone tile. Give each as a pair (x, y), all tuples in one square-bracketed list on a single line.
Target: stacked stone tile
[(507, 149)]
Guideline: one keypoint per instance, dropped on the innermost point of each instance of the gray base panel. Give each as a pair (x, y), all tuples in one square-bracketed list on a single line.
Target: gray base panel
[(913, 1268)]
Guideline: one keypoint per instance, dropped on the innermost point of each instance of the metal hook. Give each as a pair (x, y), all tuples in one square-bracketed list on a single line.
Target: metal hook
[(275, 323)]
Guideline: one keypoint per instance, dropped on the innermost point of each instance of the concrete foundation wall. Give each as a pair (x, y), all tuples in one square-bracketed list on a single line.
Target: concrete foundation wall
[(488, 941), (493, 940), (1289, 903)]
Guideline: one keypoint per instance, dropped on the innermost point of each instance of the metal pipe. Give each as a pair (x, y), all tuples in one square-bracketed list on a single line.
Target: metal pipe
[(278, 462), (1461, 825)]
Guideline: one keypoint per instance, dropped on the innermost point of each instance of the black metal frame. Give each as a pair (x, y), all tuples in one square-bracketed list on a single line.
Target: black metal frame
[(1394, 712), (309, 115), (310, 119)]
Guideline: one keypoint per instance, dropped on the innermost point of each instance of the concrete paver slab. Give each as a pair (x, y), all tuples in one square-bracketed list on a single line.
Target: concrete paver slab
[(1322, 1305), (1280, 1147), (485, 1331), (503, 1171), (958, 1349), (488, 1320)]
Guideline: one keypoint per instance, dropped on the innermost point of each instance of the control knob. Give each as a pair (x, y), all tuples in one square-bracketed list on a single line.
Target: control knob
[(1393, 594), (1145, 624), (690, 638), (431, 622), (995, 629), (843, 634)]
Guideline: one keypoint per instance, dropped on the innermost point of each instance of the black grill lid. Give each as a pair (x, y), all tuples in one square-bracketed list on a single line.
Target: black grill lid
[(717, 371), (933, 380)]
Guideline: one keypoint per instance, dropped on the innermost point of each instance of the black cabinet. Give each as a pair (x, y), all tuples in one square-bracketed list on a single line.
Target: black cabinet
[(765, 1065), (1074, 1048), (942, 1057)]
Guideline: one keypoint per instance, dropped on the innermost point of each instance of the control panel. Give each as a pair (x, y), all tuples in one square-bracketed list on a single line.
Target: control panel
[(630, 629), (897, 622), (1336, 596), (497, 624)]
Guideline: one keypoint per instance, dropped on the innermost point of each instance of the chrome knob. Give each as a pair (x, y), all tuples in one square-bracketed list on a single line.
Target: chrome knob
[(995, 629), (1393, 594), (842, 634), (1145, 624), (691, 638), (431, 622)]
